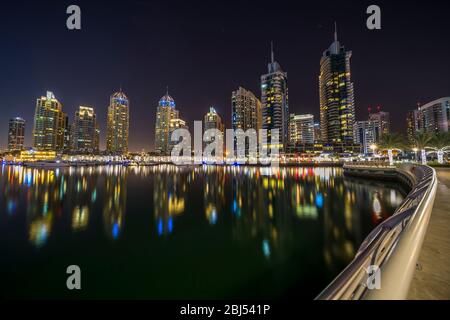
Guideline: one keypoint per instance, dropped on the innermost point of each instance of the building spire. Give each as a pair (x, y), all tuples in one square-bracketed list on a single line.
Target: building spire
[(335, 32), (272, 58), (167, 90)]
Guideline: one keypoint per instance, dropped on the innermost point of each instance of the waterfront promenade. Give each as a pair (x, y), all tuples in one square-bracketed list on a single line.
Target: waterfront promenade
[(432, 279)]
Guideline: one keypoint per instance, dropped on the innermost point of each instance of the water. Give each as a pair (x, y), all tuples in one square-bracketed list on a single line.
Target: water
[(193, 232)]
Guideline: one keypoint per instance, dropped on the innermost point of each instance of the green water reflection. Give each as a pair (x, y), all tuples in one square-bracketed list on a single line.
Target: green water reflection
[(183, 232)]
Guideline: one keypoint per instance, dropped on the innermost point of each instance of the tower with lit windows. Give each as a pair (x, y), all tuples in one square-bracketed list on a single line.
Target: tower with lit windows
[(84, 131), (16, 134), (118, 123), (167, 120), (275, 103), (49, 124), (337, 102)]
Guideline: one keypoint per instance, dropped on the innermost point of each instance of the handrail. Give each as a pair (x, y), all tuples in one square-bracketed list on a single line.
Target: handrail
[(393, 246)]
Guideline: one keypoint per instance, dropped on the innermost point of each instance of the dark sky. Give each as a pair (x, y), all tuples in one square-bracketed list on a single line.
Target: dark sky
[(204, 50)]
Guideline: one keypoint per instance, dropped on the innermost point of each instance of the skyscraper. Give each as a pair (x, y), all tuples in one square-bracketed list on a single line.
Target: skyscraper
[(49, 124), (381, 123), (337, 109), (16, 134), (317, 132), (66, 143), (165, 113), (212, 120), (412, 125), (301, 129), (434, 116), (246, 114), (84, 131), (118, 122), (245, 110), (175, 123), (275, 103), (365, 134)]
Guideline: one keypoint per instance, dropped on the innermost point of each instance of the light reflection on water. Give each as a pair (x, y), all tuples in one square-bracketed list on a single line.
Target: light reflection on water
[(281, 217)]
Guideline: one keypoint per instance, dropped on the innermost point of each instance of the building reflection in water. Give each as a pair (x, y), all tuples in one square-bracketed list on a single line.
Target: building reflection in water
[(269, 208), (169, 195), (115, 200), (81, 185), (39, 192), (213, 193)]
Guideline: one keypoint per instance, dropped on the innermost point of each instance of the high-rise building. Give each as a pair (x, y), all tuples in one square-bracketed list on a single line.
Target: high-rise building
[(365, 135), (434, 116), (175, 123), (118, 123), (275, 103), (49, 124), (246, 114), (411, 126), (165, 113), (67, 129), (380, 121), (317, 133), (84, 131), (16, 134), (245, 110), (301, 129), (337, 105), (212, 120)]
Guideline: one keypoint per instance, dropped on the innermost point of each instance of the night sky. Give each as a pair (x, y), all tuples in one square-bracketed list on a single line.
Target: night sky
[(204, 50)]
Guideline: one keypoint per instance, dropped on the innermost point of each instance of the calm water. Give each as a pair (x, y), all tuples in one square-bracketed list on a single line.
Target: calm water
[(171, 232)]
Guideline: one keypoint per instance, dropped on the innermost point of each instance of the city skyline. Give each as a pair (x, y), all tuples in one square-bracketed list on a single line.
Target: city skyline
[(293, 46)]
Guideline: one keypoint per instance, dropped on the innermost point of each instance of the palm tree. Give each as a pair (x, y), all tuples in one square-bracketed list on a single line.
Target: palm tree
[(390, 142), (422, 140), (440, 143)]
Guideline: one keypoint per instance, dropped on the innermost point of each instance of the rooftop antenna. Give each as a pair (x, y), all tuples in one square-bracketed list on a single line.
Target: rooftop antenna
[(167, 90), (271, 52)]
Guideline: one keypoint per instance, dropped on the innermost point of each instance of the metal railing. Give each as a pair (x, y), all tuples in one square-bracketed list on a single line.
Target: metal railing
[(393, 246)]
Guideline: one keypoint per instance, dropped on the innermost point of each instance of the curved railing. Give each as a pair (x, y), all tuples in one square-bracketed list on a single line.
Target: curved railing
[(393, 247)]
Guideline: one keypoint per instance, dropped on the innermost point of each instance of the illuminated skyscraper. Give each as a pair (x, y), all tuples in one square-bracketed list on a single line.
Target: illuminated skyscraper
[(49, 124), (412, 125), (301, 129), (317, 133), (274, 101), (434, 117), (245, 110), (337, 109), (165, 113), (381, 123), (365, 133), (212, 120), (16, 134), (118, 122), (175, 124), (66, 143), (84, 131), (246, 114)]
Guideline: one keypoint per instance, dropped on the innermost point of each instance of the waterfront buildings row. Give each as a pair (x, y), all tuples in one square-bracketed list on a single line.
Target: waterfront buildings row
[(52, 131), (433, 117), (337, 131)]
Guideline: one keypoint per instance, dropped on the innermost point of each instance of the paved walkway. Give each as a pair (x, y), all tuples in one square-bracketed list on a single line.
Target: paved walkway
[(433, 280)]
